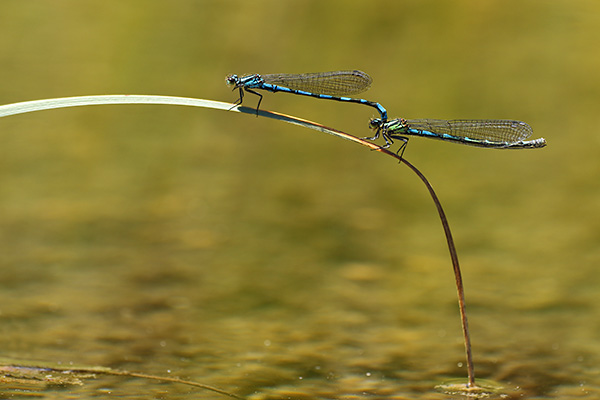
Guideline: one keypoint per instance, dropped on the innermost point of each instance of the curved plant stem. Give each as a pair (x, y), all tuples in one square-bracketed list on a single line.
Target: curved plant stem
[(38, 105), (172, 380), (457, 275), (22, 371)]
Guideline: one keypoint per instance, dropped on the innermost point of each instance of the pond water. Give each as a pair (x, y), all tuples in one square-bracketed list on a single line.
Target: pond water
[(273, 262)]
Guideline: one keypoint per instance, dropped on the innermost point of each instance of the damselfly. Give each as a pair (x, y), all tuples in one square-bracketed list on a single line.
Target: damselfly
[(323, 85), (493, 133)]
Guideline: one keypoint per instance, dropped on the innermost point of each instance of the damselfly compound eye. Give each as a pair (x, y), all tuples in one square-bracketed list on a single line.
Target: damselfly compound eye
[(231, 80)]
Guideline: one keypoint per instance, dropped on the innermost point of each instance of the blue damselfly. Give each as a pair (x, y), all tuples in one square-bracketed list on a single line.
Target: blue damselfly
[(492, 133), (332, 85)]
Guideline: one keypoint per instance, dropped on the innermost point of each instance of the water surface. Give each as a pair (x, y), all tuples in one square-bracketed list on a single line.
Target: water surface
[(275, 262)]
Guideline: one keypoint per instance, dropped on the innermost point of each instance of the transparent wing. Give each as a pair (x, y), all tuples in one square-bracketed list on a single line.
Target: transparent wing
[(334, 83), (497, 130)]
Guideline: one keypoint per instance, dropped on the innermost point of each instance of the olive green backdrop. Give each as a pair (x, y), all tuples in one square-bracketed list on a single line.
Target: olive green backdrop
[(274, 261)]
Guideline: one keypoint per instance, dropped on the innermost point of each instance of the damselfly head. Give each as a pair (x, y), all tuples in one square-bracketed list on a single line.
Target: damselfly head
[(232, 80), (375, 123)]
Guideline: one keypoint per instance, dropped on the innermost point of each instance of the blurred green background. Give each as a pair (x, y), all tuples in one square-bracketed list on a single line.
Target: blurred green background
[(272, 261)]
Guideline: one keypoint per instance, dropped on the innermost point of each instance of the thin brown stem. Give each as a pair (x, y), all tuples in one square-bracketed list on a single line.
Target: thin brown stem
[(172, 380), (450, 241), (457, 274)]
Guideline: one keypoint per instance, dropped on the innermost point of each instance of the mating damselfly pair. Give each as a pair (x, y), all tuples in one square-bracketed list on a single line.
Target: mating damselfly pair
[(336, 85)]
